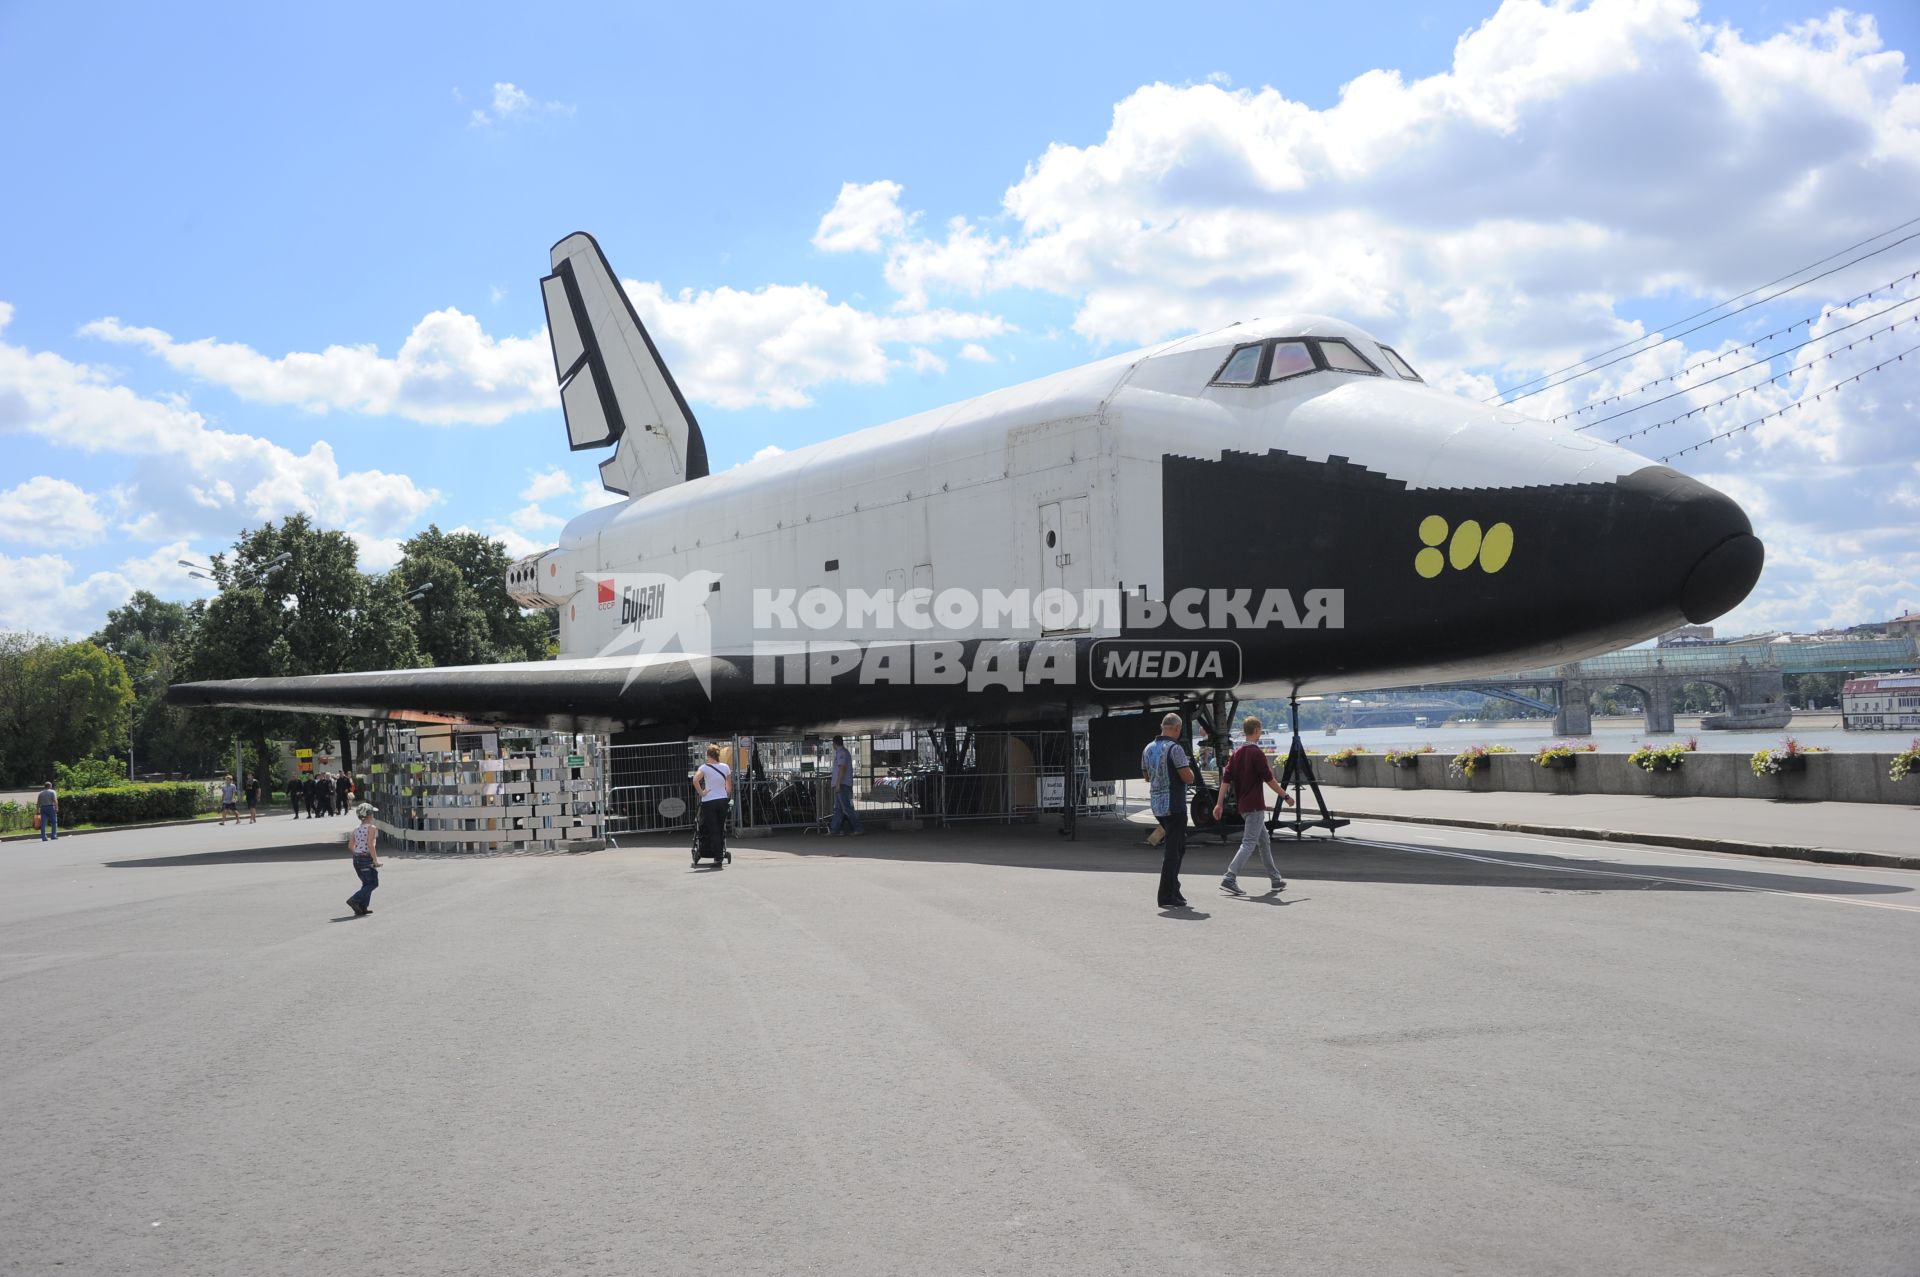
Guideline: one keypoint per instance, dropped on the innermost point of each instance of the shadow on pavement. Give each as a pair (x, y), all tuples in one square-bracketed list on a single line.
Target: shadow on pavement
[(1113, 848), (238, 856)]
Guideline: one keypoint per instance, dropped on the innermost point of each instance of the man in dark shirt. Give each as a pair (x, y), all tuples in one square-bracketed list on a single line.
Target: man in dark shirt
[(293, 795), (1165, 767), (1251, 776)]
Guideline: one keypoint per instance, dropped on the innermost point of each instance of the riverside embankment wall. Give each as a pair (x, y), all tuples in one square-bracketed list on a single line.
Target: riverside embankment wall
[(1850, 778)]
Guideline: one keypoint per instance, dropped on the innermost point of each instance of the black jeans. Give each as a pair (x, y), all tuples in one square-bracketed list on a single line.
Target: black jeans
[(1175, 826), (369, 879), (713, 828)]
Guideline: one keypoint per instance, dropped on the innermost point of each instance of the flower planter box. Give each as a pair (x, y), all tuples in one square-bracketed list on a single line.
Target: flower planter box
[(1560, 764), (1664, 765), (1793, 763), (1406, 762)]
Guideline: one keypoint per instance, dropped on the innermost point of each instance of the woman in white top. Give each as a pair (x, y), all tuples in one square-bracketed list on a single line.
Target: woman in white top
[(364, 842), (714, 783)]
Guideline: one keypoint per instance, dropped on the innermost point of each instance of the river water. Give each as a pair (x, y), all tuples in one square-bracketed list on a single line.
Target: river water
[(1613, 735)]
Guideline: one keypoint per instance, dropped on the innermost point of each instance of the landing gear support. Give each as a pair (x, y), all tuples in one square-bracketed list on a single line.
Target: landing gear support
[(1213, 718), (1297, 774), (1070, 807)]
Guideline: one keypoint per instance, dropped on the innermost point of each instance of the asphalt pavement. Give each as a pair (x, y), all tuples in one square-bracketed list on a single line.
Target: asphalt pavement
[(1438, 1051)]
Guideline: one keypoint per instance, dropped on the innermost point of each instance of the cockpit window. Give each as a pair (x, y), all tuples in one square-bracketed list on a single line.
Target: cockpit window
[(1401, 367), (1290, 359), (1241, 369), (1342, 357)]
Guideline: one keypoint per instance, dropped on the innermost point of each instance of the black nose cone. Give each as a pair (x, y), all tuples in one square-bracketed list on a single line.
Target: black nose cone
[(1723, 576), (1702, 534)]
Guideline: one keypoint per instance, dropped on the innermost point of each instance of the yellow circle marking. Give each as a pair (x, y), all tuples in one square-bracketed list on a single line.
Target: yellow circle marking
[(1429, 562), (1496, 548), (1466, 545), (1433, 530)]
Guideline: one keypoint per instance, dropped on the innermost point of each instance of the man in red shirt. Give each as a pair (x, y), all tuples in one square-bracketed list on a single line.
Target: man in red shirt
[(1250, 775)]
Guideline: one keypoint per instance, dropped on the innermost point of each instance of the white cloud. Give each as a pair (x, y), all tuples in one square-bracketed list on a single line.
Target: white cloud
[(770, 450), (511, 102), (43, 593), (532, 519), (45, 511), (1503, 217), (190, 478), (861, 218), (770, 347), (1614, 149), (543, 485), (448, 371), (377, 554), (517, 543), (974, 352), (925, 362)]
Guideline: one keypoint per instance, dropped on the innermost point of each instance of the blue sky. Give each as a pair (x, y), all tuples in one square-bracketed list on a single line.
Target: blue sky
[(258, 261)]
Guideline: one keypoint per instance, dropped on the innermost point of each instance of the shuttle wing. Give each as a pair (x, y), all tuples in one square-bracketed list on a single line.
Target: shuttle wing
[(594, 693), (614, 387)]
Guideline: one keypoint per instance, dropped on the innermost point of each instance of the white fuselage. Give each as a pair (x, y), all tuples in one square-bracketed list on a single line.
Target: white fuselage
[(964, 497)]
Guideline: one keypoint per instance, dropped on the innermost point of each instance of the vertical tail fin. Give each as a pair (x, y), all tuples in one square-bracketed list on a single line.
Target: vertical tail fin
[(614, 387)]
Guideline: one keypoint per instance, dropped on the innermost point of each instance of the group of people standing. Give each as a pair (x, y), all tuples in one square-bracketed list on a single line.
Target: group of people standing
[(1247, 777), (323, 794)]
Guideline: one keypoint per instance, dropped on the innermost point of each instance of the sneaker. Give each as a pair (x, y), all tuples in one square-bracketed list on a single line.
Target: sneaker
[(1279, 884), (1231, 887)]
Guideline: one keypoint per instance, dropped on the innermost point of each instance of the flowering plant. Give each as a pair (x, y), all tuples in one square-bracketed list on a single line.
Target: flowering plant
[(1407, 757), (1467, 761), (1905, 762), (1345, 757), (1547, 754), (1772, 762), (1655, 757)]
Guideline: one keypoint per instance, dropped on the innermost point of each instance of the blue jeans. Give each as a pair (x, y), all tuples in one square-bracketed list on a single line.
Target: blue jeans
[(49, 824), (369, 879), (843, 812)]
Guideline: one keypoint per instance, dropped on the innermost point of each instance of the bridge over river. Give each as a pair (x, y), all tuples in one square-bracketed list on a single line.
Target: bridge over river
[(1749, 674)]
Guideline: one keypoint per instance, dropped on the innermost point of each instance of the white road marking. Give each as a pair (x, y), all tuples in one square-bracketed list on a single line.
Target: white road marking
[(1636, 877)]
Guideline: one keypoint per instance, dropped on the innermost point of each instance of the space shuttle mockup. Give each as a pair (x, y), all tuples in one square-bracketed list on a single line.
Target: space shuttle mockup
[(1277, 506)]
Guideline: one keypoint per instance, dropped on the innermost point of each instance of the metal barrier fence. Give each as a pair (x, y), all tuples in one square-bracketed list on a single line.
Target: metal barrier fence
[(785, 782), (648, 787), (472, 790)]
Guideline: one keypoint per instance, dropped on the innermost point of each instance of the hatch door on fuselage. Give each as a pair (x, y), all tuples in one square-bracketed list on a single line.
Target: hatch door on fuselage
[(1066, 552)]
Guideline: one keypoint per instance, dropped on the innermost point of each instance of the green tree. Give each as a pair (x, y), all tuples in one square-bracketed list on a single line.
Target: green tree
[(152, 637), (467, 617), (293, 601), (59, 702)]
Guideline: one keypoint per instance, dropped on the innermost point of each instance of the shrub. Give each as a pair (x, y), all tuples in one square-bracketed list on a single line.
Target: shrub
[(1905, 762), (1406, 757), (91, 773), (1771, 762), (133, 804), (1561, 749), (1345, 757), (1467, 761), (1647, 757)]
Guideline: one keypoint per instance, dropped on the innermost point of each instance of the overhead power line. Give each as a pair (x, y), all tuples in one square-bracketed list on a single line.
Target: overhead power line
[(1758, 363), (1664, 341), (1798, 403), (1546, 376), (1740, 394), (1731, 351)]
